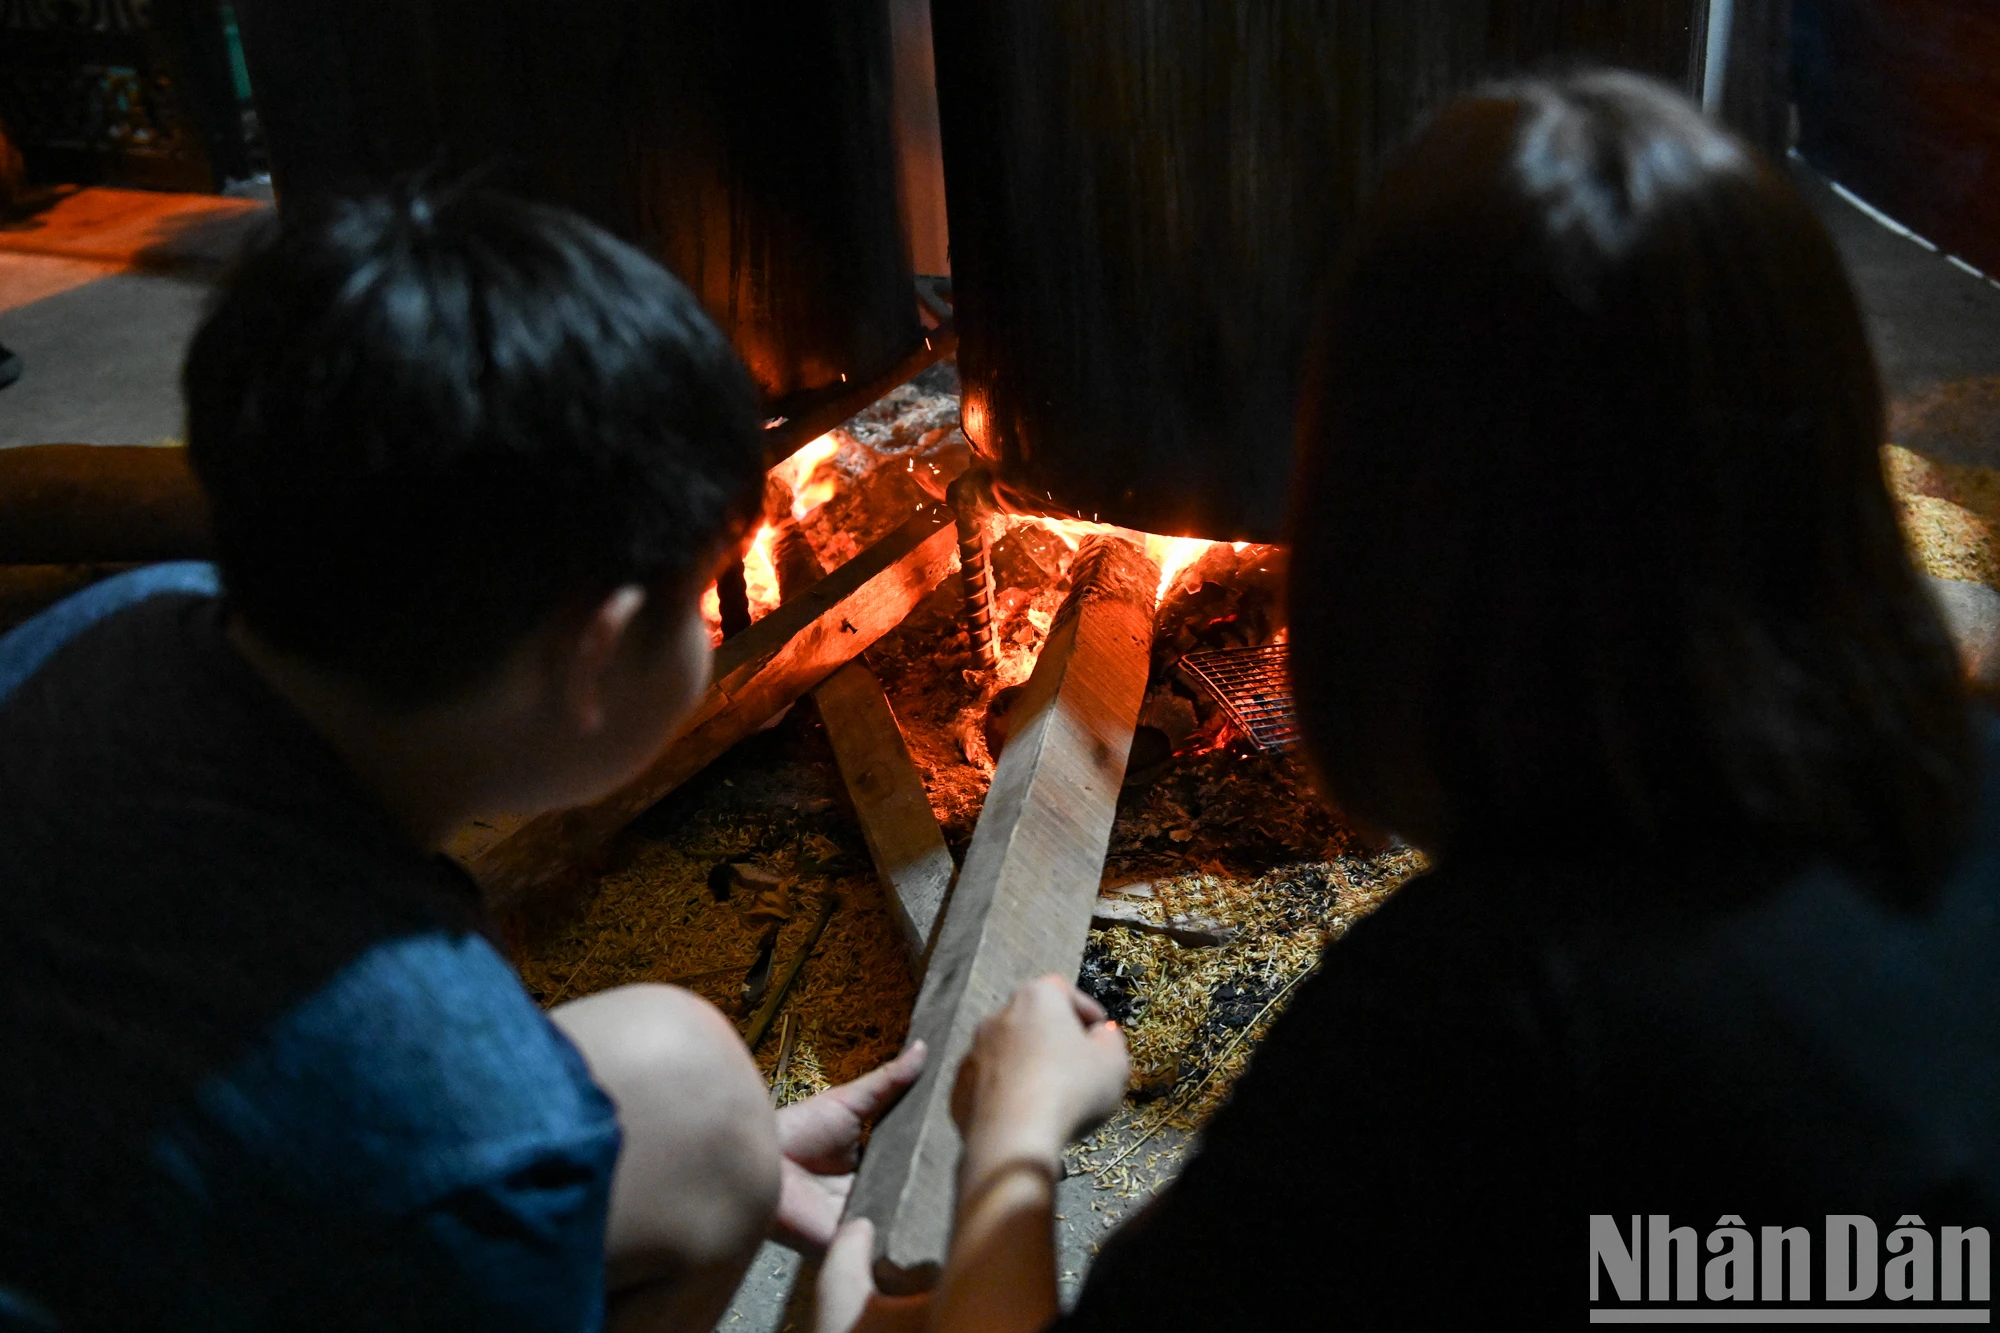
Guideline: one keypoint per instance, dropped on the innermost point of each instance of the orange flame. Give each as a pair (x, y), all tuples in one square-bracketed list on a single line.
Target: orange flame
[(1174, 555), (808, 475), (760, 574)]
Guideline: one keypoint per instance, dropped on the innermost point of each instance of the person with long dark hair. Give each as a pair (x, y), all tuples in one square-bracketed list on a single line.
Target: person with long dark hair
[(1597, 596)]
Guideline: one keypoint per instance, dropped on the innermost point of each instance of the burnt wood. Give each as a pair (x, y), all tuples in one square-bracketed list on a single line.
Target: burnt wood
[(1143, 201), (757, 673), (752, 152), (1899, 100), (1025, 896)]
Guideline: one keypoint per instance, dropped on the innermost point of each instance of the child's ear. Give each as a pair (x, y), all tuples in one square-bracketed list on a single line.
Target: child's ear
[(593, 654)]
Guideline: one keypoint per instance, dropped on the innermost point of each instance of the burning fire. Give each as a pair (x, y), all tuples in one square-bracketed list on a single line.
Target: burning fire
[(811, 479), (760, 574), (1174, 555), (808, 475), (760, 581)]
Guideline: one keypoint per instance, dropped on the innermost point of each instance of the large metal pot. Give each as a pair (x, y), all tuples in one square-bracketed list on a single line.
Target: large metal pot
[(1144, 195), (750, 149)]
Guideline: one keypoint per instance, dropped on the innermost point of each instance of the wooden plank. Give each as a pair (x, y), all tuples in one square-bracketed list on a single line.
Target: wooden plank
[(758, 672), (890, 802), (895, 811), (1192, 932), (1025, 896)]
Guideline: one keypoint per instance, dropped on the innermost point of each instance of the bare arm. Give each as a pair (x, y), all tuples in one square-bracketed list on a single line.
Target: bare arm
[(1041, 1071), (1002, 1270)]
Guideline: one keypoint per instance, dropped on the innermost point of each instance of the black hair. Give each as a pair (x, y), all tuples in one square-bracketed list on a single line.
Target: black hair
[(426, 419), (1590, 528)]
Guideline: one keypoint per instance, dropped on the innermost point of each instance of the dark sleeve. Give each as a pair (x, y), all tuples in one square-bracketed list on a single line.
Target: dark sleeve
[(1374, 1127), (521, 1251)]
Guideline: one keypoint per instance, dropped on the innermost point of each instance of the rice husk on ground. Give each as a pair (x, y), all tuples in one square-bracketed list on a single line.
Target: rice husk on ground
[(1949, 512), (775, 803)]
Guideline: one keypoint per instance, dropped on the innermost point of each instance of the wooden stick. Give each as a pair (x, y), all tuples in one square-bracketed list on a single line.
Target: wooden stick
[(1024, 898), (756, 674), (760, 1022), (788, 1036), (901, 829), (893, 808), (1192, 932)]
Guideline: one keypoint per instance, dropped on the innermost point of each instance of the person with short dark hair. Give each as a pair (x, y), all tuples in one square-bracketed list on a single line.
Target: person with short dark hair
[(470, 462), (1596, 594)]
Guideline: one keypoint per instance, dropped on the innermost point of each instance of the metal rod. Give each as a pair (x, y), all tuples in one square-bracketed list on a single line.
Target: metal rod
[(732, 596), (971, 500)]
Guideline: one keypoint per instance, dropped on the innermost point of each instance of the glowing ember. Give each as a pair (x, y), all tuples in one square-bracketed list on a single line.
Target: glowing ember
[(810, 476)]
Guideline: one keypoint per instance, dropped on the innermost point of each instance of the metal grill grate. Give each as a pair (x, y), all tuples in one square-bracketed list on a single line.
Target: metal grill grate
[(1253, 687)]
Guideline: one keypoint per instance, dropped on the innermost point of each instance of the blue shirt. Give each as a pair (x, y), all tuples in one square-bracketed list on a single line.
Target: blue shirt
[(263, 1066)]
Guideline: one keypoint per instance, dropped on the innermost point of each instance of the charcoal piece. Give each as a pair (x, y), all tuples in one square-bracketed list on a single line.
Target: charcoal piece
[(758, 979), (1150, 748), (1100, 980), (1236, 1004), (1172, 715)]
